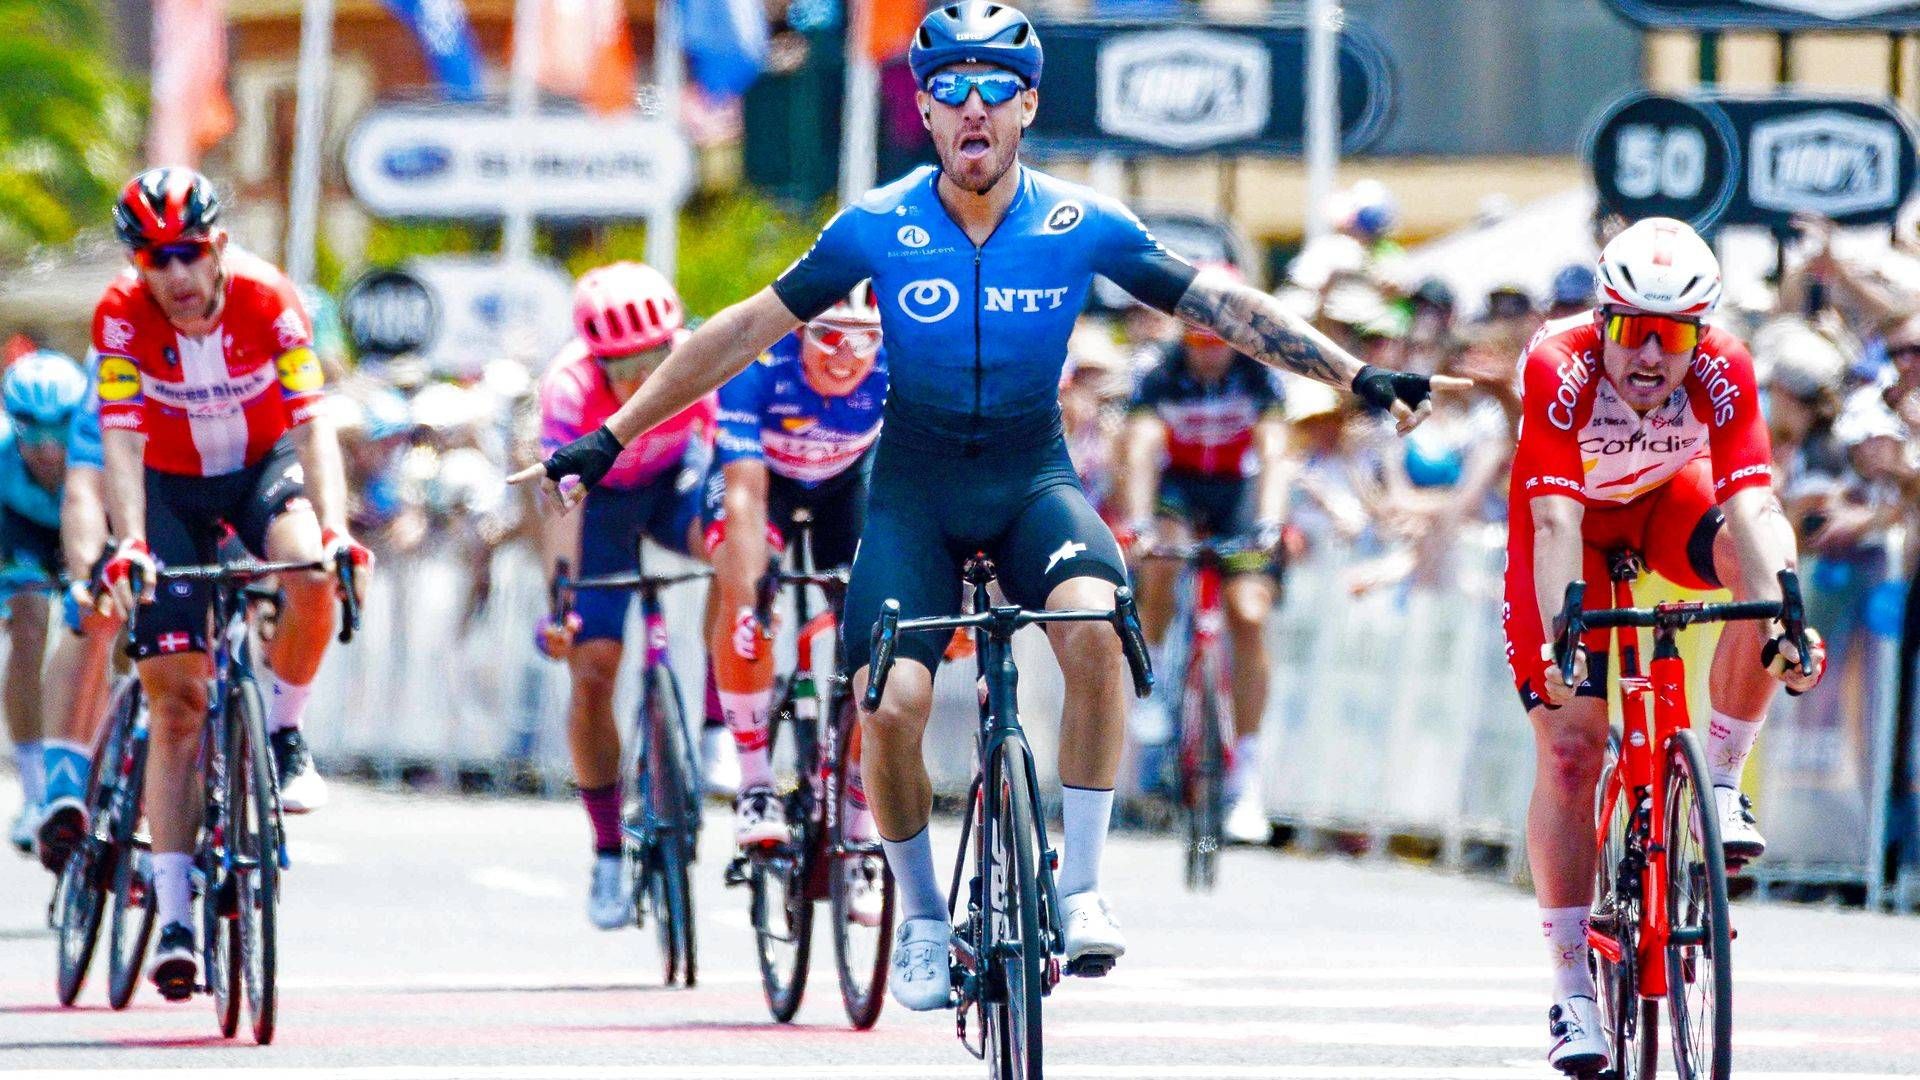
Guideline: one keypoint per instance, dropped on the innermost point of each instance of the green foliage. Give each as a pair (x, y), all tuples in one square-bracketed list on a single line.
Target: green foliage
[(390, 243), (67, 121), (730, 246)]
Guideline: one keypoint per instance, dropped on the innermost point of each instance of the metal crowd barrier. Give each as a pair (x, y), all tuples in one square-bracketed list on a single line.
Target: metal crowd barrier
[(1392, 713)]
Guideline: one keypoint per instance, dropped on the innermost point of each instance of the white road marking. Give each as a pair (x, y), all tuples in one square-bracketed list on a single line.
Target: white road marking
[(1357, 1033), (507, 879), (749, 1071), (641, 977), (1173, 976)]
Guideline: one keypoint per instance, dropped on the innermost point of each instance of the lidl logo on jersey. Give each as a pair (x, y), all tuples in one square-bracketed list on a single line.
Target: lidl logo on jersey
[(119, 379), (300, 370)]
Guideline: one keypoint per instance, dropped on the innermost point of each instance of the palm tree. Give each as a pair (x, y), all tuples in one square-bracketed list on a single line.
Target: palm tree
[(67, 121)]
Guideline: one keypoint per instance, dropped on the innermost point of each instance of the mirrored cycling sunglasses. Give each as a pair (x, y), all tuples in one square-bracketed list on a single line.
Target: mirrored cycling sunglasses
[(996, 87), (1675, 335), (185, 252), (833, 339), (634, 366)]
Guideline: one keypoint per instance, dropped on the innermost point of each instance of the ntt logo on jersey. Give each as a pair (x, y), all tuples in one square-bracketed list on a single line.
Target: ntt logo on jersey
[(928, 300)]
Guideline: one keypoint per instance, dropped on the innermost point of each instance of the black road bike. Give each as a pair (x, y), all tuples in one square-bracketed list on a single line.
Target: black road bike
[(1007, 943), (103, 878)]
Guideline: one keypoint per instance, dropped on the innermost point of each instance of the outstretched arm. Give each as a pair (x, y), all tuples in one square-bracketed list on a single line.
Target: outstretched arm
[(1263, 328), (711, 355)]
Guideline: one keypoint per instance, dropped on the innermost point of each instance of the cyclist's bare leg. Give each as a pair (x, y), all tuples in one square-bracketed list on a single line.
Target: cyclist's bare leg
[(1248, 599), (28, 629), (1154, 581), (1569, 748), (1095, 669), (307, 624), (76, 684), (893, 763), (591, 733), (176, 690), (741, 649)]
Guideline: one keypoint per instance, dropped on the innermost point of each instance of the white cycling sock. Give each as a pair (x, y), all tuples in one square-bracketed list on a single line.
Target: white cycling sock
[(173, 887), (1566, 932), (1246, 766), (911, 861), (1084, 813), (288, 705), (1729, 741), (27, 757), (746, 716)]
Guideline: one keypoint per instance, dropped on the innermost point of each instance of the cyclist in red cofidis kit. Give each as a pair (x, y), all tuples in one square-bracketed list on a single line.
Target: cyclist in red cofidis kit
[(1641, 429)]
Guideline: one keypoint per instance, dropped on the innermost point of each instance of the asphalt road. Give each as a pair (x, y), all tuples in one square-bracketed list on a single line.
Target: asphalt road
[(432, 938)]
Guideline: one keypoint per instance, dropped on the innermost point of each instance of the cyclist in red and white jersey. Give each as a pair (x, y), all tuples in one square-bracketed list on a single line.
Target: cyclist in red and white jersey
[(1641, 428), (209, 410)]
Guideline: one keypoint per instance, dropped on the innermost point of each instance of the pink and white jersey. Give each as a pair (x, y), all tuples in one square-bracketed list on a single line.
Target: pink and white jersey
[(575, 398), (1578, 438)]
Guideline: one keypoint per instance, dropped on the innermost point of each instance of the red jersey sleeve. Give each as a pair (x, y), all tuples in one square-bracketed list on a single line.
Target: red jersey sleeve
[(1726, 395), (1556, 391), (123, 403), (302, 383)]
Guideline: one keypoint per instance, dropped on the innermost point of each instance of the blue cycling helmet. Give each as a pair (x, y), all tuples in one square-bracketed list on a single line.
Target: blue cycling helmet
[(43, 387), (975, 30)]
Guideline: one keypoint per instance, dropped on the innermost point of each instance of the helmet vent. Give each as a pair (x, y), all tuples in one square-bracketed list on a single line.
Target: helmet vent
[(1020, 35), (1691, 282), (1628, 274)]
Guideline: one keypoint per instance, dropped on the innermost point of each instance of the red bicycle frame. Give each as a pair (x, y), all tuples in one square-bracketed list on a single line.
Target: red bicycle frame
[(1209, 620)]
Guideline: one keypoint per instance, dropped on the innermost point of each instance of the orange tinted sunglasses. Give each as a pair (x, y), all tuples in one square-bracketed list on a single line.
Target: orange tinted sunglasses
[(186, 252), (1675, 335)]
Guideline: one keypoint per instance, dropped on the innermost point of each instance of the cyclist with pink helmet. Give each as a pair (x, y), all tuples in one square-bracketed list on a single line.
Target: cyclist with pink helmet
[(627, 317)]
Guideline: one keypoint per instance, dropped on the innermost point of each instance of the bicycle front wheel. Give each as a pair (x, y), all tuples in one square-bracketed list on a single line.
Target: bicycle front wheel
[(1699, 950), (779, 907), (254, 839), (857, 873), (673, 805), (1017, 945), (1202, 774), (132, 903), (1633, 1024), (79, 903)]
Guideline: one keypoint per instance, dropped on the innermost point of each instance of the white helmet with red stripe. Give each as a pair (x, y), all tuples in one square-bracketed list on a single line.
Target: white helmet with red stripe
[(1662, 267)]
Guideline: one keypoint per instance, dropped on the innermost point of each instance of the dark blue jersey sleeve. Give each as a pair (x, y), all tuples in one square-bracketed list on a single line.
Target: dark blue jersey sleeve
[(1150, 389), (742, 401), (1131, 258), (828, 271)]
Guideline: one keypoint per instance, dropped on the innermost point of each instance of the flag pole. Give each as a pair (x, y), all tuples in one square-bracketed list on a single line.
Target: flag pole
[(309, 131), (669, 74), (516, 233), (1324, 19), (860, 107)]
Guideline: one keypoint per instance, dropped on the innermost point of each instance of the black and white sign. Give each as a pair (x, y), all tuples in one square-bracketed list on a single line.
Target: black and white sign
[(461, 162), (1172, 88), (1774, 14), (1713, 159), (389, 312)]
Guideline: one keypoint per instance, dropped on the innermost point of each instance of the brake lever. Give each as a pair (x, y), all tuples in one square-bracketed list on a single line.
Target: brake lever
[(1793, 617), (1569, 629), (1133, 641), (349, 601), (886, 633), (559, 595)]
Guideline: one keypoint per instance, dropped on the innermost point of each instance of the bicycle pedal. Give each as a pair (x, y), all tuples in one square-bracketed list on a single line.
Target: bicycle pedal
[(1091, 966)]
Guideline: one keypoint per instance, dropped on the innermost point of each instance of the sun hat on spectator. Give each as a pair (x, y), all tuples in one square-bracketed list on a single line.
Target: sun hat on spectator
[(1789, 355)]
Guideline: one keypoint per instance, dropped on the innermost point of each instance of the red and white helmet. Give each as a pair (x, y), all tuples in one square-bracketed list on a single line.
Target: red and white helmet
[(624, 308), (858, 309), (1662, 267)]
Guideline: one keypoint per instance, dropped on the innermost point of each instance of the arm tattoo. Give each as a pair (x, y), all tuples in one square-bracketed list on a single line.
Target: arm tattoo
[(1257, 325)]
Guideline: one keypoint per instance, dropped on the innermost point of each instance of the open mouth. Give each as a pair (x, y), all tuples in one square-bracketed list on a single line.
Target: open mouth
[(974, 147), (1645, 380)]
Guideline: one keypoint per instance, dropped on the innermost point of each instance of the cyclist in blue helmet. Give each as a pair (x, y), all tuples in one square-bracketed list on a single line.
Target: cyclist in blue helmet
[(980, 266), (41, 391)]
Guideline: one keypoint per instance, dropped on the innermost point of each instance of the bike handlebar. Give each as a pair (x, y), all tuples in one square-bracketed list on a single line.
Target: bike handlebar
[(1573, 623), (243, 574), (1200, 549), (1124, 618), (561, 589)]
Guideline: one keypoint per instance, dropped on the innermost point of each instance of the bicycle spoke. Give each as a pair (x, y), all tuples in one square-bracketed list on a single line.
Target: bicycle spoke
[(1699, 967)]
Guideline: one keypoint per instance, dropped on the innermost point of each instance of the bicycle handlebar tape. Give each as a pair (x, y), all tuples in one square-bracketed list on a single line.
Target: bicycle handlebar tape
[(1133, 641), (1380, 388), (1793, 615), (349, 604), (886, 630), (589, 457)]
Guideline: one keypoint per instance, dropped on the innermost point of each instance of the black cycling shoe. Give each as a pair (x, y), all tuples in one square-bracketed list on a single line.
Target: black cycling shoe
[(175, 962), (300, 786), (62, 830)]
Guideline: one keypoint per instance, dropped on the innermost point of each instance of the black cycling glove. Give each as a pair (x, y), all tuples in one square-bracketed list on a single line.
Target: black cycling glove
[(1380, 388), (589, 457)]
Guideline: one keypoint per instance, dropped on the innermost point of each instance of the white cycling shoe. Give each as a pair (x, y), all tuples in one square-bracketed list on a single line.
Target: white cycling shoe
[(610, 901), (1580, 1043), (1094, 940), (921, 977), (24, 827), (1247, 820), (866, 890), (759, 817), (1738, 835), (719, 762)]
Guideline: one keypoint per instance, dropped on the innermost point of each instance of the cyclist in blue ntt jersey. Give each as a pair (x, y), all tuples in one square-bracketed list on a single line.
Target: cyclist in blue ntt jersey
[(979, 267)]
